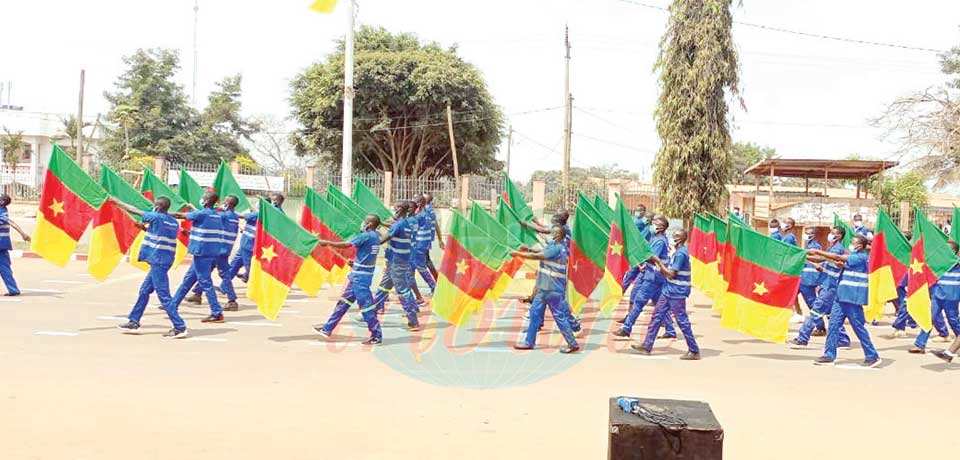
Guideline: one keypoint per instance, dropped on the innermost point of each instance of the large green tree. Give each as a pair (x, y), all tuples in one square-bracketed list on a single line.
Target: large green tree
[(402, 87), (745, 155), (152, 116), (698, 69)]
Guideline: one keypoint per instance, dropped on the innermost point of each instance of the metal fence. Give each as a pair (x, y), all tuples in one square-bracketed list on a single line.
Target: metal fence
[(485, 188), (443, 189)]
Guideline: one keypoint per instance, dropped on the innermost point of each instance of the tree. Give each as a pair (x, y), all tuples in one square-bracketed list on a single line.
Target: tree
[(745, 155), (222, 127), (698, 66), (13, 147), (590, 181), (907, 187), (403, 87), (68, 131), (272, 147)]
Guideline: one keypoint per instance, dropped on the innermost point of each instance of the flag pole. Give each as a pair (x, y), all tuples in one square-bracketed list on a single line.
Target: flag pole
[(346, 165)]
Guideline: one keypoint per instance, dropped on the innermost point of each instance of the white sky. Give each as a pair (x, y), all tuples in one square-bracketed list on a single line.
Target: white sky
[(806, 97)]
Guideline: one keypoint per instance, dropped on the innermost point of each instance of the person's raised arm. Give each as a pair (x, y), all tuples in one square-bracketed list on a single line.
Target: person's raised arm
[(532, 255), (533, 226), (124, 206), (335, 244)]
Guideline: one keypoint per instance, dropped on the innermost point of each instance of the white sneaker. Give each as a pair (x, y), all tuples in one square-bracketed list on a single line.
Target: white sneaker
[(796, 319)]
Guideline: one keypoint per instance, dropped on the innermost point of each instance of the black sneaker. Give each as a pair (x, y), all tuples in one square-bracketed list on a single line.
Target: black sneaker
[(872, 363), (323, 333), (212, 319), (640, 349), (12, 294), (819, 333), (176, 334), (666, 336), (620, 335), (231, 306), (691, 357), (194, 299), (371, 341), (916, 351), (821, 361), (567, 350), (129, 327), (413, 327), (796, 344), (942, 354)]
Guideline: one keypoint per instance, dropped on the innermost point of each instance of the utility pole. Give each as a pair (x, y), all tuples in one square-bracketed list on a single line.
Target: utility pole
[(567, 116), (509, 146), (346, 163), (453, 151), (80, 120), (196, 58)]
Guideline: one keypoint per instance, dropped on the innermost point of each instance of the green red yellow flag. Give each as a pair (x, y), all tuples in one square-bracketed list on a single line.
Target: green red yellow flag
[(153, 187), (587, 261), (468, 270), (500, 235), (715, 286), (764, 278), (701, 238), (345, 204), (225, 185), (849, 233), (189, 190), (369, 201), (626, 248), (278, 253), (325, 264), (591, 211), (603, 208), (114, 231), (514, 199), (888, 260), (930, 258), (511, 221), (323, 6), (69, 200)]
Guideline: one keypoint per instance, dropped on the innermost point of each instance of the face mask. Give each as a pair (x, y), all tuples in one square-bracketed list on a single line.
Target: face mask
[(832, 238), (784, 227), (774, 230), (811, 237), (857, 224), (852, 248), (674, 243), (637, 215)]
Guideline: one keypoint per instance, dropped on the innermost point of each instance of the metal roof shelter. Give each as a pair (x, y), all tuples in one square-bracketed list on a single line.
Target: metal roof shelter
[(819, 169)]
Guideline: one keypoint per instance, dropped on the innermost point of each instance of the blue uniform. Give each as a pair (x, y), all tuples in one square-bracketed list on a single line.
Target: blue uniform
[(641, 224), (423, 240), (673, 301), (789, 238), (231, 226), (823, 304), (551, 293), (862, 231), (945, 298), (357, 290), (399, 273), (851, 297), (649, 287), (810, 278), (6, 270), (158, 250), (206, 244), (244, 256), (903, 318)]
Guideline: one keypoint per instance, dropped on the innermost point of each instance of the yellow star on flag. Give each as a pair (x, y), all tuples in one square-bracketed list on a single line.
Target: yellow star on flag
[(268, 254), (462, 267), (616, 248), (916, 266), (760, 288), (56, 207)]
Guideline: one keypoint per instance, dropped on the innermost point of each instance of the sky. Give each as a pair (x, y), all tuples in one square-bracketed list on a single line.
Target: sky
[(806, 97)]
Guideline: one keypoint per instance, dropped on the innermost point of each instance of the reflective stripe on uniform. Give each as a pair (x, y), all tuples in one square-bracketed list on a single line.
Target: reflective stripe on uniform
[(853, 283)]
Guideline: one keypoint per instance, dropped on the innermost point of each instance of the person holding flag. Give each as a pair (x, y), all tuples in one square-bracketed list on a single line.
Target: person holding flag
[(560, 218), (244, 255), (811, 278), (651, 284), (158, 250), (550, 290), (206, 243), (860, 229), (434, 229), (399, 273), (638, 218), (826, 296), (423, 239), (6, 272), (851, 297), (231, 225), (673, 299), (945, 296), (357, 290)]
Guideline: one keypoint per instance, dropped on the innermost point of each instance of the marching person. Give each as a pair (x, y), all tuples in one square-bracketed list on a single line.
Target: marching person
[(851, 297), (638, 218), (436, 234), (827, 294), (231, 226), (945, 298), (950, 353), (244, 256), (206, 243), (6, 270), (357, 291), (551, 290), (787, 236), (423, 239), (560, 218), (812, 277), (860, 229), (158, 249), (673, 299), (774, 228), (398, 275), (651, 285)]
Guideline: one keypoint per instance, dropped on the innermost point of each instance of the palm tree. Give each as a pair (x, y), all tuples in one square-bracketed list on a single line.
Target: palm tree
[(12, 146)]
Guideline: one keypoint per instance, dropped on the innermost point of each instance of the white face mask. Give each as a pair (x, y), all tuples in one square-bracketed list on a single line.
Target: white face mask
[(774, 230), (674, 243), (852, 248), (832, 238), (857, 224), (811, 237)]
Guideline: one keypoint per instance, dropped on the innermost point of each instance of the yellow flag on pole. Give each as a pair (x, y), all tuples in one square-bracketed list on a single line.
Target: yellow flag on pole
[(323, 6)]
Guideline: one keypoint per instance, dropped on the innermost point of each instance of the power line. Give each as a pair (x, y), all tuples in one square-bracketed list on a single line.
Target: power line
[(615, 144), (801, 33)]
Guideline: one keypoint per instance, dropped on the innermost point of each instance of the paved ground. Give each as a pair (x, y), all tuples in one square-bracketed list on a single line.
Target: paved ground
[(73, 387)]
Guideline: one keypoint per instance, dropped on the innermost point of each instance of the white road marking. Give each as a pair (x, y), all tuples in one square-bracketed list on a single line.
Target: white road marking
[(855, 367), (66, 281), (238, 323), (112, 318), (57, 333), (205, 339)]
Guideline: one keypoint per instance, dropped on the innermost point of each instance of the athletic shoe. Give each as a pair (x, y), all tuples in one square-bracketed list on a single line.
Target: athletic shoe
[(620, 335), (691, 357), (796, 319), (818, 333), (420, 303), (821, 361), (622, 320), (872, 363), (176, 334), (640, 349), (194, 298), (875, 323), (796, 344), (322, 332), (942, 354), (522, 346), (666, 336), (917, 351), (526, 300), (129, 327), (212, 319), (11, 294), (231, 306), (568, 350), (372, 341), (413, 327)]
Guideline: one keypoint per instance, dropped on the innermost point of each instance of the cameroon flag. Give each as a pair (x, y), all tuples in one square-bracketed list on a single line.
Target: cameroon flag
[(592, 212), (604, 208), (369, 201), (225, 185), (514, 198), (888, 260), (468, 270), (849, 232), (930, 258), (587, 262), (278, 253), (152, 188), (114, 231), (700, 235), (764, 277), (345, 204), (327, 223), (69, 200), (511, 221), (626, 248), (500, 235), (189, 190)]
